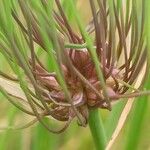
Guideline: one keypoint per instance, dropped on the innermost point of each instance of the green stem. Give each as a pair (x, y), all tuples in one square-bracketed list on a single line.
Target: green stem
[(97, 129), (75, 46)]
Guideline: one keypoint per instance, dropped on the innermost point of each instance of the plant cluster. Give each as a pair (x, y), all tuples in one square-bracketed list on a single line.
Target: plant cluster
[(91, 67)]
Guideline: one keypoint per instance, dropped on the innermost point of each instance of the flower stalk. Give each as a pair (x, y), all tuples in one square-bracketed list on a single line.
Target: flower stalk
[(97, 129)]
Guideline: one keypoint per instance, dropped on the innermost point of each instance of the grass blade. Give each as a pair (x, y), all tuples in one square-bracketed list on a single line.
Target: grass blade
[(112, 120), (141, 104), (120, 123)]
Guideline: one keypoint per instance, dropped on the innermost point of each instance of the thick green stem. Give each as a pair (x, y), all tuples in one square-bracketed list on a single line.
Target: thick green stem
[(97, 129)]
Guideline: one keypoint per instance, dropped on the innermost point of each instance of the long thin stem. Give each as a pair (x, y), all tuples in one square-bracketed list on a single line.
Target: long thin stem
[(97, 129)]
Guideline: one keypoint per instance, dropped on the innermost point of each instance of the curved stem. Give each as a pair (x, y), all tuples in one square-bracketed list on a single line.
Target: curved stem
[(97, 129)]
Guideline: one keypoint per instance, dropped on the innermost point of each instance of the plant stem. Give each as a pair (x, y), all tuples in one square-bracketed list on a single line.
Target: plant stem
[(97, 129), (76, 46)]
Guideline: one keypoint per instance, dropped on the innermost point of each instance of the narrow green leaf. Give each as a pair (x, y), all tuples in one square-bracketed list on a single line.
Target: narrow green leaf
[(141, 103), (112, 120)]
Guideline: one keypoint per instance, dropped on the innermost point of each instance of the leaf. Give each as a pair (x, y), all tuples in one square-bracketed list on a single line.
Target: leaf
[(121, 122), (12, 88), (112, 119)]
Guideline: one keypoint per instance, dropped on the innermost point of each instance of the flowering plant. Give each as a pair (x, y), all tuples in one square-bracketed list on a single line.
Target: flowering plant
[(89, 68)]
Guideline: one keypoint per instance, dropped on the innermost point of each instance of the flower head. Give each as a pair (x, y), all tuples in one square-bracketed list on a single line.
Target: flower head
[(84, 77)]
